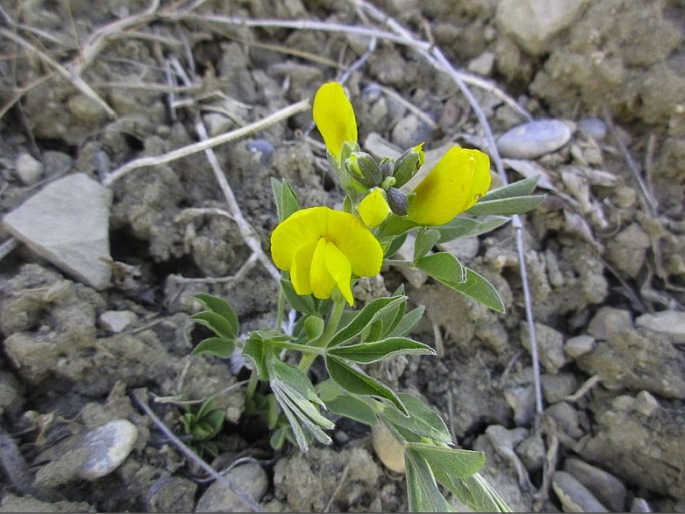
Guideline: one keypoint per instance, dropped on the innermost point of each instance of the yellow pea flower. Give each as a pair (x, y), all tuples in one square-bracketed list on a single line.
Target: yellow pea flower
[(334, 117), (374, 208), (456, 183), (322, 249)]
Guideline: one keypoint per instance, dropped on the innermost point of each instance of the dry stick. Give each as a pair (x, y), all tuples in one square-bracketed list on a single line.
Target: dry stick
[(208, 143), (135, 395), (435, 56), (246, 231)]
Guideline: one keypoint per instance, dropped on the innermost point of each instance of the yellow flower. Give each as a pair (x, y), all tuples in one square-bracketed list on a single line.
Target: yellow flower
[(374, 208), (334, 117), (456, 183), (322, 249)]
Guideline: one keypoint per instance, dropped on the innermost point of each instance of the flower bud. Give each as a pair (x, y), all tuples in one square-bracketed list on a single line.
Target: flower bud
[(364, 169), (408, 164), (387, 167), (397, 201)]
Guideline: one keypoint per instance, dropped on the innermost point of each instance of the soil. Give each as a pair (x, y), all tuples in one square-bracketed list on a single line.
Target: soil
[(87, 87)]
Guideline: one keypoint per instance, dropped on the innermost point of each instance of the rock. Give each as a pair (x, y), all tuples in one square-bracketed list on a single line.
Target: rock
[(644, 450), (645, 403), (108, 446), (483, 64), (12, 503), (593, 127), (573, 495), (566, 418), (11, 397), (171, 494), (532, 452), (557, 387), (463, 249), (521, 399), (579, 345), (627, 249), (640, 505), (67, 223), (534, 139), (410, 131), (117, 321), (28, 170), (637, 361), (550, 346), (668, 323), (606, 487), (533, 23), (389, 450), (217, 123), (250, 478), (609, 321)]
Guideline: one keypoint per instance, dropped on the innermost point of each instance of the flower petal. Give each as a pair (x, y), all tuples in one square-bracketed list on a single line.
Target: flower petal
[(456, 183), (301, 268), (299, 229), (357, 242), (338, 266), (320, 278), (374, 208), (334, 117)]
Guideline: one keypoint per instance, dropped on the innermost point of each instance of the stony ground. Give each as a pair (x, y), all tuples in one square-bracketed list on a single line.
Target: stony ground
[(99, 263)]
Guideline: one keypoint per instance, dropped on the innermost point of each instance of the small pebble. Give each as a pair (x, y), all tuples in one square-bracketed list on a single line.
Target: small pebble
[(250, 478), (579, 345), (262, 150), (388, 449), (534, 139), (645, 403), (604, 486), (117, 321), (108, 446), (573, 495), (483, 64), (28, 170), (593, 127), (371, 93)]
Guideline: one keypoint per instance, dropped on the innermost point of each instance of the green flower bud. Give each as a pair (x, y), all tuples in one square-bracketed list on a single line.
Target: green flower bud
[(397, 201), (387, 167), (408, 164), (364, 169)]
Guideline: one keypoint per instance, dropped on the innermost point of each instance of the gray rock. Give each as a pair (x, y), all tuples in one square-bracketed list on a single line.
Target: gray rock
[(463, 249), (573, 495), (637, 361), (668, 323), (28, 170), (640, 505), (117, 321), (250, 478), (609, 321), (606, 487), (532, 452), (534, 139), (593, 127), (550, 346), (533, 23), (566, 418), (483, 64), (171, 494), (521, 399), (12, 503), (67, 223), (645, 403), (108, 446), (410, 131), (579, 345), (557, 387), (627, 249)]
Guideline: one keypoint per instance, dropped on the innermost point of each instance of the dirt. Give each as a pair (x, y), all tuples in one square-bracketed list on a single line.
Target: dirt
[(83, 90)]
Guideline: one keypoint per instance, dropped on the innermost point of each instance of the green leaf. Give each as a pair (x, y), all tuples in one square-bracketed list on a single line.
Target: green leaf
[(423, 422), (357, 382), (399, 316), (220, 307), (365, 353), (395, 225), (422, 491), (257, 347), (426, 239), (373, 331), (506, 206), (442, 266), (217, 323), (216, 346), (210, 424), (476, 493), (314, 326), (278, 437), (519, 188), (294, 378), (408, 322), (339, 401), (285, 198), (363, 318), (304, 304), (395, 244), (477, 287), (469, 227), (449, 462)]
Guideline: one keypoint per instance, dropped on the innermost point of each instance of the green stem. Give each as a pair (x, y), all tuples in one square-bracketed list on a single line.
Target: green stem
[(328, 332), (252, 384), (279, 309)]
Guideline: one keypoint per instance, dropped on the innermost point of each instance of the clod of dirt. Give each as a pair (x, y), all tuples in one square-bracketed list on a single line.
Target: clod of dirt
[(12, 503)]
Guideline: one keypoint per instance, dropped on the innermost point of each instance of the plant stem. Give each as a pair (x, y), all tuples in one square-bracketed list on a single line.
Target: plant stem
[(252, 384), (279, 311), (328, 332)]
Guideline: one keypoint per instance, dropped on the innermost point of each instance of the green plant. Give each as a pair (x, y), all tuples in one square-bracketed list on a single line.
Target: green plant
[(321, 252), (202, 426)]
